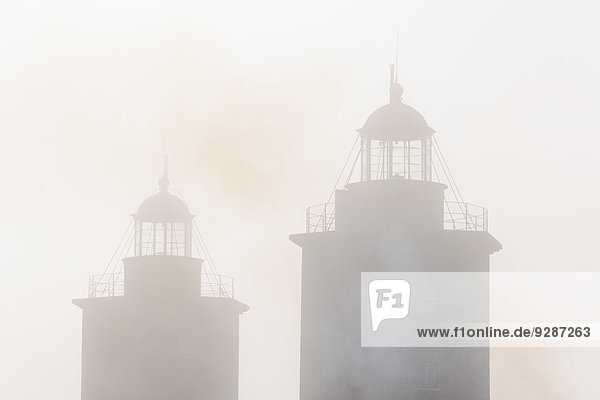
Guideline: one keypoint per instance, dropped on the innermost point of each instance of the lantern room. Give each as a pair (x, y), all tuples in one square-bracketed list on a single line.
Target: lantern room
[(395, 141), (163, 224)]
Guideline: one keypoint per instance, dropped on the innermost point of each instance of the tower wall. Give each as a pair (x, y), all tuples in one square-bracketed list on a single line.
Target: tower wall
[(391, 205), (162, 339), (162, 278), (391, 225)]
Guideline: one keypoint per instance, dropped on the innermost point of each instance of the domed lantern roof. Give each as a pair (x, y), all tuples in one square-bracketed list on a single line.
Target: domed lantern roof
[(163, 207), (396, 120)]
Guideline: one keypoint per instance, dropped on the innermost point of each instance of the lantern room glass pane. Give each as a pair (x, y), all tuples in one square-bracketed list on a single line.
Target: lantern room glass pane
[(396, 159), (163, 238)]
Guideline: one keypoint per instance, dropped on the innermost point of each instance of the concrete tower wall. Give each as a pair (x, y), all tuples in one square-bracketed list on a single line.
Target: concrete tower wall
[(390, 225), (162, 339), (393, 205)]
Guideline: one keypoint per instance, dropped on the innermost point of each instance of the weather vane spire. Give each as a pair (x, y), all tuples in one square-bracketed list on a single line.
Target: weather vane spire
[(397, 47), (396, 90), (163, 182)]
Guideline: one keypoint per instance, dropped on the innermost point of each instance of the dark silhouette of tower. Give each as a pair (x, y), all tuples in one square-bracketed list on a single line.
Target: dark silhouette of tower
[(396, 218), (160, 328)]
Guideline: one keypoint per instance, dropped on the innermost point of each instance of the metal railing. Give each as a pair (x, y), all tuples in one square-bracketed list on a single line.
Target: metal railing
[(106, 285), (460, 216), (111, 285), (320, 218), (214, 285)]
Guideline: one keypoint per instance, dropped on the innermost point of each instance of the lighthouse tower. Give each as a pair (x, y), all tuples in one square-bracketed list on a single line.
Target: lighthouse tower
[(397, 218), (161, 327)]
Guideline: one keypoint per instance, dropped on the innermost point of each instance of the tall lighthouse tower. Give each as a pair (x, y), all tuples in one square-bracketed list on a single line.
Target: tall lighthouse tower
[(160, 327), (397, 217)]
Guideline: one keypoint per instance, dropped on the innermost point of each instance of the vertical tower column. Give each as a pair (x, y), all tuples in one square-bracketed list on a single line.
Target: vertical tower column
[(390, 221)]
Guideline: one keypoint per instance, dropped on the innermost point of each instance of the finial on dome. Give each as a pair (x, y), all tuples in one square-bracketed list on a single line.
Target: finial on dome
[(396, 89), (163, 182)]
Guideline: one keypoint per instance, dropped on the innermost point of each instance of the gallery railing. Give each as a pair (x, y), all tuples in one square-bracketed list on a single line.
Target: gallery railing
[(458, 216), (111, 285)]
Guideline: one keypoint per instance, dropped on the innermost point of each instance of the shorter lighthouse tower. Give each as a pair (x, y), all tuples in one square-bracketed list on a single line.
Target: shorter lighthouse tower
[(160, 327)]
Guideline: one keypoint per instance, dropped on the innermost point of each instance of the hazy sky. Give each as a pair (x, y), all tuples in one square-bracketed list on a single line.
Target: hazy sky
[(258, 103)]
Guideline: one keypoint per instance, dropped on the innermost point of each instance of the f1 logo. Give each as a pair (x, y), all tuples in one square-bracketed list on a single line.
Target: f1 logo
[(388, 299)]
